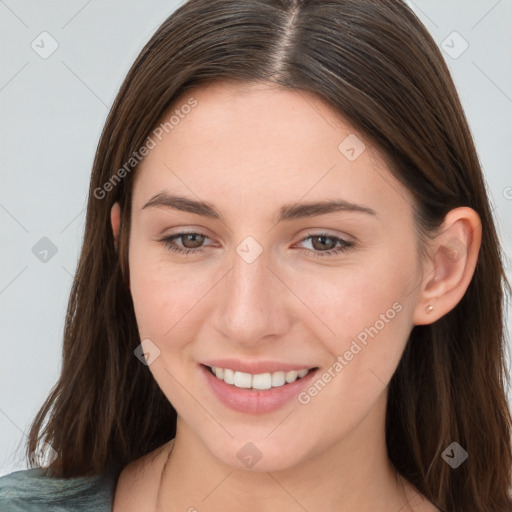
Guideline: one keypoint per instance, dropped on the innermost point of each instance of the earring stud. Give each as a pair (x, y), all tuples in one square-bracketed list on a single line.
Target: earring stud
[(429, 308)]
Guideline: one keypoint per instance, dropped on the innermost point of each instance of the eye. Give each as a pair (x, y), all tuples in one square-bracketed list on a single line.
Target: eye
[(323, 244), (191, 242)]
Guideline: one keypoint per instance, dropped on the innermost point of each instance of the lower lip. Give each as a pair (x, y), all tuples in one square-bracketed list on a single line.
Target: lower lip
[(254, 401)]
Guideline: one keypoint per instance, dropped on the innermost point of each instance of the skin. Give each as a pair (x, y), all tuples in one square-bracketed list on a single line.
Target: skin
[(248, 150)]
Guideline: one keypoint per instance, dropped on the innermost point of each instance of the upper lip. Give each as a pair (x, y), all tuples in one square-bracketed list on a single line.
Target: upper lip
[(256, 367)]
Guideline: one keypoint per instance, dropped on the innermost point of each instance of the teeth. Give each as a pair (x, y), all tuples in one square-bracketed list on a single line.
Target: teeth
[(229, 376), (242, 380), (291, 376), (278, 379), (260, 381)]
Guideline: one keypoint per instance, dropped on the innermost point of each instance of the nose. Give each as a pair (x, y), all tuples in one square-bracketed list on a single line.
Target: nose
[(253, 302)]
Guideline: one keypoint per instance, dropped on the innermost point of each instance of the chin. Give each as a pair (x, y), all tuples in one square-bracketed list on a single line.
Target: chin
[(258, 456)]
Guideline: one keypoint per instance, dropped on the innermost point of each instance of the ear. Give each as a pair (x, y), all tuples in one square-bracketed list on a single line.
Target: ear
[(115, 220), (448, 273)]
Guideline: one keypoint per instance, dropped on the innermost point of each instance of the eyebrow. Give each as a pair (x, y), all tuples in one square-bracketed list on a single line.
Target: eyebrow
[(286, 213)]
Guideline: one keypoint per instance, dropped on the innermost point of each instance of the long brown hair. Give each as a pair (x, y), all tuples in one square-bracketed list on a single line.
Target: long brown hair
[(376, 64)]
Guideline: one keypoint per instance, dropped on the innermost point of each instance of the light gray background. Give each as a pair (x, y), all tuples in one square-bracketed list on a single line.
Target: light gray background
[(52, 113)]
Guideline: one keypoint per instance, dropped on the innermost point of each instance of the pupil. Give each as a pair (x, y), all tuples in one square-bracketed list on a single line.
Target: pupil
[(322, 238), (198, 241)]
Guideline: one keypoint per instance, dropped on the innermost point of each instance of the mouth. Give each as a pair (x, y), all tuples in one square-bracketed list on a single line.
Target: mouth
[(259, 381), (258, 392)]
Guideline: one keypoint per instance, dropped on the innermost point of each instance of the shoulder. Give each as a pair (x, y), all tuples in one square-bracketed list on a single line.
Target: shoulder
[(138, 482), (32, 490)]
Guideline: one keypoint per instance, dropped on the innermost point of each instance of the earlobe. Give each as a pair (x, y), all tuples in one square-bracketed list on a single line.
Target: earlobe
[(115, 221), (455, 254)]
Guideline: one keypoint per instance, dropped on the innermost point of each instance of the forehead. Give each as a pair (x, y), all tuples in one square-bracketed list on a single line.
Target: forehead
[(266, 145)]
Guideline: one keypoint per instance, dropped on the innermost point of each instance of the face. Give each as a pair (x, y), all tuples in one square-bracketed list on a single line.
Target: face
[(259, 282)]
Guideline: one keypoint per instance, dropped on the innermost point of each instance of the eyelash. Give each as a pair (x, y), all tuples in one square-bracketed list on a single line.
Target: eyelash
[(347, 245)]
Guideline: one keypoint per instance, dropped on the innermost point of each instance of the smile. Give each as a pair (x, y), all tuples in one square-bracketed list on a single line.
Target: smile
[(260, 381), (261, 389)]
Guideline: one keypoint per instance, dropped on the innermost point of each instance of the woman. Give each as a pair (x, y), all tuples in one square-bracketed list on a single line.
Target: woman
[(290, 291)]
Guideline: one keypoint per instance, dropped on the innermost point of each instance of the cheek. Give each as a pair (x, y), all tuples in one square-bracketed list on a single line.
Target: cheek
[(166, 297), (165, 302), (367, 314), (154, 291), (371, 321)]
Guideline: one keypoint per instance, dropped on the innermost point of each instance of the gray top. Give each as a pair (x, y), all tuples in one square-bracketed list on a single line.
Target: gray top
[(31, 490)]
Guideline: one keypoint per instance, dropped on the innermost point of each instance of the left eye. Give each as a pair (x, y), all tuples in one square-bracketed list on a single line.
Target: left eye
[(332, 241), (194, 238), (192, 243)]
